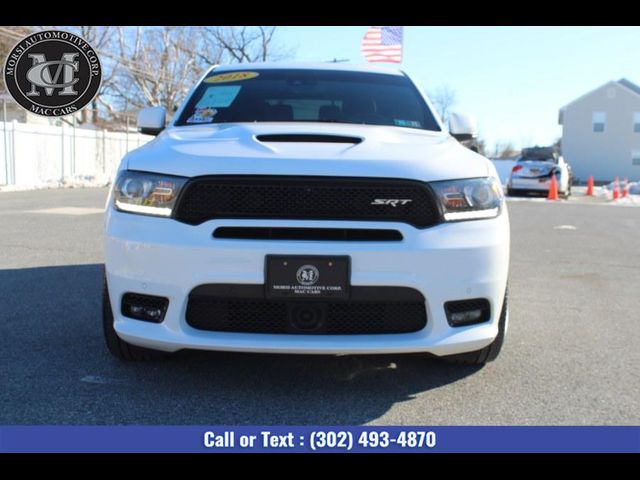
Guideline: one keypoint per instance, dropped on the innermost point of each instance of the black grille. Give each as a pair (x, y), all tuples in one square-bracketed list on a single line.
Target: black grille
[(243, 308), (315, 198), (318, 234)]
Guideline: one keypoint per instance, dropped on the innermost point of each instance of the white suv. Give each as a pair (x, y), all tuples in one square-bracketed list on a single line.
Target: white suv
[(319, 209)]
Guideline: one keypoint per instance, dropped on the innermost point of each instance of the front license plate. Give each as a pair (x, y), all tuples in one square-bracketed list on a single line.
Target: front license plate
[(307, 277)]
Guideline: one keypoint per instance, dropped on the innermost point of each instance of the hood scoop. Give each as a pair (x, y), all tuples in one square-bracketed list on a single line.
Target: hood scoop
[(308, 138)]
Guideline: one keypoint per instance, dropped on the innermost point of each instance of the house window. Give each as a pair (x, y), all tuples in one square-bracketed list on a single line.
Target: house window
[(599, 119), (635, 157), (636, 122)]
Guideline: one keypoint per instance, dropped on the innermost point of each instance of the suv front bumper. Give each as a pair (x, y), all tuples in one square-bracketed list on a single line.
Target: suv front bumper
[(450, 261)]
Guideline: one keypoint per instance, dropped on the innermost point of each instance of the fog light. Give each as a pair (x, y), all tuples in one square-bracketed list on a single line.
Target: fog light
[(467, 312), (148, 308)]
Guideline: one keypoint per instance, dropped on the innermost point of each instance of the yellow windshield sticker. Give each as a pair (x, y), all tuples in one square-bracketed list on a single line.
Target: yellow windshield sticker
[(231, 77)]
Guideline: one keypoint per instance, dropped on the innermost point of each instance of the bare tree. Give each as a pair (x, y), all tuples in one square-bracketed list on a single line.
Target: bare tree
[(157, 65), (443, 98), (102, 39), (240, 44)]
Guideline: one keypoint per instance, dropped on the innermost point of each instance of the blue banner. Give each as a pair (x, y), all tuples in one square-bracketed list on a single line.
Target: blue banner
[(282, 439)]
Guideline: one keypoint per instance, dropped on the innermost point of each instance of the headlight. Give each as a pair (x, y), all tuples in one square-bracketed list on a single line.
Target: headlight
[(469, 199), (147, 193)]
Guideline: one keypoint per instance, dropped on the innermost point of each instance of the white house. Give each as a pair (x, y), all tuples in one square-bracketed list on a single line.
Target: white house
[(601, 132)]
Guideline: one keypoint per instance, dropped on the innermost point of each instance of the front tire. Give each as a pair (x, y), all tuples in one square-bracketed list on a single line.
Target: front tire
[(490, 352), (118, 347)]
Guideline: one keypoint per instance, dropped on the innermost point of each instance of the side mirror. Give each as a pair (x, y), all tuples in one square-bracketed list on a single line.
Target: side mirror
[(462, 126), (151, 120)]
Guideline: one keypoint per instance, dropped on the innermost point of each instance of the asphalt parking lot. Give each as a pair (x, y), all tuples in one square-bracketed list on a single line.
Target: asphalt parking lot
[(572, 354)]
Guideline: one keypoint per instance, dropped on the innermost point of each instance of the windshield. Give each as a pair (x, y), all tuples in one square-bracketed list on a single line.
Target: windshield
[(308, 96)]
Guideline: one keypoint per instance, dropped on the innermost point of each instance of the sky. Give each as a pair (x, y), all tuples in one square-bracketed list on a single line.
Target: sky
[(513, 79)]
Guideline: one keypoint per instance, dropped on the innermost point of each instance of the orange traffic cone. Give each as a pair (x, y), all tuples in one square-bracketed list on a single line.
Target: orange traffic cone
[(625, 188), (616, 188), (590, 186), (553, 189)]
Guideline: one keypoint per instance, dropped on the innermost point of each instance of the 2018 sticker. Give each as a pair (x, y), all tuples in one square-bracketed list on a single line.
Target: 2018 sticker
[(231, 77), (203, 115)]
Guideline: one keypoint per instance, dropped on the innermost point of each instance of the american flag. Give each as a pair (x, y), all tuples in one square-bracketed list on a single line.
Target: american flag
[(382, 44)]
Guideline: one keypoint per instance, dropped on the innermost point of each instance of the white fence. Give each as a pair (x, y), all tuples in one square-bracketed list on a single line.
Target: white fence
[(35, 154)]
